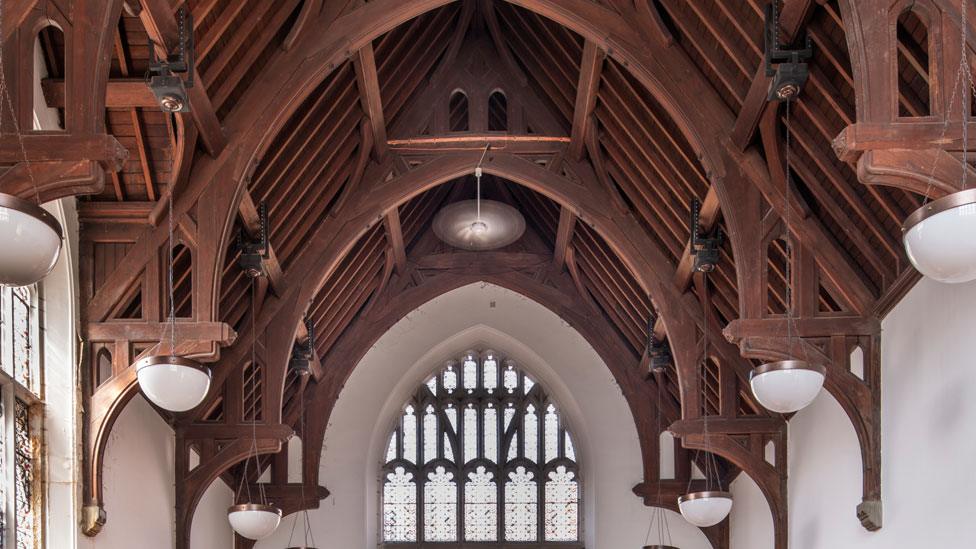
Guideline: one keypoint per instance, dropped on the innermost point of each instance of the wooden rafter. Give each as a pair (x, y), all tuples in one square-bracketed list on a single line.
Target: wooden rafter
[(586, 93), (369, 90)]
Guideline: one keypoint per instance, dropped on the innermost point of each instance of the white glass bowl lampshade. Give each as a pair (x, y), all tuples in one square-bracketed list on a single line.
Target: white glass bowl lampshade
[(704, 509), (659, 547), (458, 225), (254, 520), (787, 386), (30, 241), (940, 238), (173, 383)]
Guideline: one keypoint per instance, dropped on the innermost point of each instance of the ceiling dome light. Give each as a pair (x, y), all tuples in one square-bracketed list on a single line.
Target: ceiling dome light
[(459, 225), (253, 520), (31, 240), (704, 509), (787, 386), (173, 383), (940, 238)]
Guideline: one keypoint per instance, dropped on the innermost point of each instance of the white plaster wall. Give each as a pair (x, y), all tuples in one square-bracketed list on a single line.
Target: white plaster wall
[(139, 496), (482, 315), (928, 447)]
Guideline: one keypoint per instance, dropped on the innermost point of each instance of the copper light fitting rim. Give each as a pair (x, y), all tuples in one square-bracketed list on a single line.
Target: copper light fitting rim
[(645, 547), (708, 494), (784, 365), (29, 208), (172, 360), (242, 507), (946, 203)]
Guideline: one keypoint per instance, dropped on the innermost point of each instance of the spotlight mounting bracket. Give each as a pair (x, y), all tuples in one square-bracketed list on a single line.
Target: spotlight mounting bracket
[(255, 249), (787, 67), (659, 351), (303, 352), (163, 76), (706, 249)]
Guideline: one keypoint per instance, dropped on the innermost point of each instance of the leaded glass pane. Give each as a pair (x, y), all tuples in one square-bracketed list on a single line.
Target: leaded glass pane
[(409, 435), (470, 433), (21, 324), (528, 383), (451, 413), (531, 433), (562, 506), (510, 378), (399, 507), (521, 506), (440, 506), (24, 478), (448, 449), (391, 448), (491, 433), (490, 372), (432, 385), (551, 434), (470, 373), (480, 507), (450, 379), (430, 435), (570, 450)]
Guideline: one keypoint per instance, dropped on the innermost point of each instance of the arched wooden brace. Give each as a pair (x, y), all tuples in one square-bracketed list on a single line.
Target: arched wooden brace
[(907, 153), (215, 460), (860, 399), (73, 161), (770, 479), (557, 293)]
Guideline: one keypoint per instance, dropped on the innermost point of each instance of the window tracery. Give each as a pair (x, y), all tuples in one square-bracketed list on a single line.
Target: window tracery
[(459, 471)]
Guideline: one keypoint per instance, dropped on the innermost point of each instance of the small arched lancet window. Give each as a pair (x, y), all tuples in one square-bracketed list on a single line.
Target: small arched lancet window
[(777, 275), (458, 115), (182, 281), (497, 112), (480, 454), (50, 67), (914, 92)]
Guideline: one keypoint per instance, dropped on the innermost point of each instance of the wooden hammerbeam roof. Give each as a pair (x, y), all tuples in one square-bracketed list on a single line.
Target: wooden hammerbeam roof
[(611, 119)]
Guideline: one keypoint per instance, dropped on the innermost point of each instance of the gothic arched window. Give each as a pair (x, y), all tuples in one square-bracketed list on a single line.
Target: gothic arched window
[(481, 454)]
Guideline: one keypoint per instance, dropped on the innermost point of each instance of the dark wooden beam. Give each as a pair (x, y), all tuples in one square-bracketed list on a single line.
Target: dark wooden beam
[(121, 93), (369, 90), (802, 327), (394, 236), (729, 426), (59, 146), (586, 92), (564, 236)]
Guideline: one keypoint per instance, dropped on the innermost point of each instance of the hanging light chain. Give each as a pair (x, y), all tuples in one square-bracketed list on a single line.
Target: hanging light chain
[(5, 91)]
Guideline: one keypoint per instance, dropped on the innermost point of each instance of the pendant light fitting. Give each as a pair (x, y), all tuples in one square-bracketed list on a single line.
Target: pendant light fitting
[(479, 225), (787, 386), (940, 236), (172, 382), (31, 236), (712, 505), (259, 519)]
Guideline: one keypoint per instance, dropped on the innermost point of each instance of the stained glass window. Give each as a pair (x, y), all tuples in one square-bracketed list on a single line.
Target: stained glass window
[(480, 454), (20, 390), (17, 334), (24, 477)]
